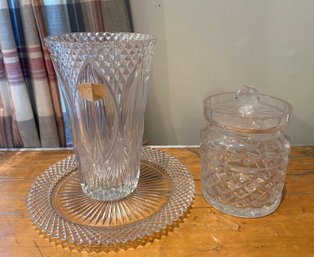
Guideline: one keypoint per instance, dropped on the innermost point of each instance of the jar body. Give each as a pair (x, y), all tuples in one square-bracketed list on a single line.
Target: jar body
[(243, 174)]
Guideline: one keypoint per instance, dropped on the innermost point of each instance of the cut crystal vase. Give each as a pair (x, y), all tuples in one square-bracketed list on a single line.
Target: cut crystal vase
[(104, 85)]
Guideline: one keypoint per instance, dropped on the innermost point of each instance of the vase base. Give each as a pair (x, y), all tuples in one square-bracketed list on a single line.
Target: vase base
[(112, 193)]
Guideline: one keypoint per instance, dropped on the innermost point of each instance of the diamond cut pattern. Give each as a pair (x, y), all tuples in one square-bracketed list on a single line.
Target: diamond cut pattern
[(117, 54), (243, 176)]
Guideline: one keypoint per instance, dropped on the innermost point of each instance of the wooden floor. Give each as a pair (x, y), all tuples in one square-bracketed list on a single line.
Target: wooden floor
[(203, 232)]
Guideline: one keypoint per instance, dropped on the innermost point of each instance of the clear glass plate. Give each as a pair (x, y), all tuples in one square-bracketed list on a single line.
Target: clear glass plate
[(57, 206)]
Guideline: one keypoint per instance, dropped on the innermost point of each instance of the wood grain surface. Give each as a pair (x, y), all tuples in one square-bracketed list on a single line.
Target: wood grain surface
[(204, 231)]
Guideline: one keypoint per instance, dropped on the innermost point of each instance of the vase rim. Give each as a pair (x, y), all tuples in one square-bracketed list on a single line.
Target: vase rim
[(102, 38)]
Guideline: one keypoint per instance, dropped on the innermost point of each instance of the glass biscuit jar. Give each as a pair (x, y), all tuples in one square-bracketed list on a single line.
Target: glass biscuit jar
[(244, 153)]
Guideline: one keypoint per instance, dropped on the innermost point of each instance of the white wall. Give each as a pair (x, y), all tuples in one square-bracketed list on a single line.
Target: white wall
[(210, 46)]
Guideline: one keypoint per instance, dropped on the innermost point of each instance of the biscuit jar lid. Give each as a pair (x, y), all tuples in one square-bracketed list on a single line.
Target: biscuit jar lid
[(247, 111)]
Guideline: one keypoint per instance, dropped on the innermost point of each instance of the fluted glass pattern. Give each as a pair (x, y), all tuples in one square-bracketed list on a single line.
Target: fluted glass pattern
[(104, 84), (58, 208)]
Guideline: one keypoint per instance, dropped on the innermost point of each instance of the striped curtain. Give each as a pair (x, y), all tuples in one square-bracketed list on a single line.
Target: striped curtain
[(31, 111)]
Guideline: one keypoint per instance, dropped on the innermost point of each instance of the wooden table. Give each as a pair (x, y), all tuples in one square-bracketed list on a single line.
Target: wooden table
[(204, 232)]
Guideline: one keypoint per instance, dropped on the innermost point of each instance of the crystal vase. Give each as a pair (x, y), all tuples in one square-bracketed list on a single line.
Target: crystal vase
[(104, 85)]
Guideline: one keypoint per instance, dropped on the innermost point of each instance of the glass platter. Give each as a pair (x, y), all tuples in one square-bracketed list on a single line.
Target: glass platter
[(58, 208)]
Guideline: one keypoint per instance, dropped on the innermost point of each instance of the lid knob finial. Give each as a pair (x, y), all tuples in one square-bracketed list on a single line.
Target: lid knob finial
[(247, 98)]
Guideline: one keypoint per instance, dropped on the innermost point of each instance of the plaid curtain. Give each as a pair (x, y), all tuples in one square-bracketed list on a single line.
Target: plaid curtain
[(31, 111)]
